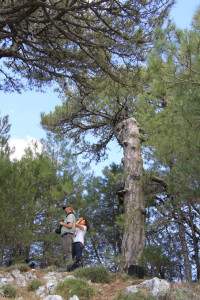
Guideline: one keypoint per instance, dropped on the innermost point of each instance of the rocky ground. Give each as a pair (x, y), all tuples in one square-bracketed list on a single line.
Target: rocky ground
[(178, 291), (117, 285)]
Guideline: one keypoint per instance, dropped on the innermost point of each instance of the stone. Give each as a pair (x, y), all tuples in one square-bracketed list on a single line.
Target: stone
[(52, 275), (89, 282), (69, 277), (20, 279), (131, 289), (156, 286), (40, 292), (74, 298), (4, 281), (30, 276), (53, 297), (50, 286)]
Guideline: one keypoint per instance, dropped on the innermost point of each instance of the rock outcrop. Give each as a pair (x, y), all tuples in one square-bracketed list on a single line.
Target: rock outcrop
[(46, 291), (156, 286)]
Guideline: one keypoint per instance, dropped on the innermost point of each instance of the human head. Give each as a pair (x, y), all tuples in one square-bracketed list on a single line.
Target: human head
[(68, 208), (87, 224)]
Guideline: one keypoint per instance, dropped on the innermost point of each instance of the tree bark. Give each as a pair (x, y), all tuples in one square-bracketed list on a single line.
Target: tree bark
[(133, 242), (184, 247), (195, 242)]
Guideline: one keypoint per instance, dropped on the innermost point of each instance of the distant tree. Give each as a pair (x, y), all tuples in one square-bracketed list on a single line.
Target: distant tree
[(48, 39), (5, 150), (32, 193)]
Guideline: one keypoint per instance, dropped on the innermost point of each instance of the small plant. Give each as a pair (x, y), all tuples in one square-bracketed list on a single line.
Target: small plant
[(34, 285), (78, 287), (97, 274), (9, 291), (20, 267), (23, 267), (136, 296)]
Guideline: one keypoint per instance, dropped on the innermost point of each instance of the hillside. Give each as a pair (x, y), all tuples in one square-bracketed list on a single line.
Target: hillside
[(115, 288)]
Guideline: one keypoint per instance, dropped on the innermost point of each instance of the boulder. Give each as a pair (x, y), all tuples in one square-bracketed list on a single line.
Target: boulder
[(20, 279), (156, 286), (6, 280), (40, 292)]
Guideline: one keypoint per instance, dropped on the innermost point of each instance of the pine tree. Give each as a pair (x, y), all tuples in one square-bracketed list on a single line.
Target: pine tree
[(45, 40), (168, 114), (106, 113)]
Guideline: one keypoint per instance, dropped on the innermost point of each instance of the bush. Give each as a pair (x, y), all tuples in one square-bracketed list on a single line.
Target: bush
[(136, 296), (78, 287), (95, 274), (50, 269), (34, 285), (9, 291), (20, 267), (23, 268)]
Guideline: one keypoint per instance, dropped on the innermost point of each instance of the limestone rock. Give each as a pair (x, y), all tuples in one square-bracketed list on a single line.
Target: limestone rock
[(156, 286), (131, 289), (6, 280), (53, 297), (70, 277), (51, 285), (52, 275), (40, 292), (30, 276), (74, 298), (20, 279)]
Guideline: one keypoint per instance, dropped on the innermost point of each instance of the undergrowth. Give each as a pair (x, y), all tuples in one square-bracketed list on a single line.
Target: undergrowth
[(9, 291), (34, 285), (97, 274), (20, 267), (136, 296), (78, 287)]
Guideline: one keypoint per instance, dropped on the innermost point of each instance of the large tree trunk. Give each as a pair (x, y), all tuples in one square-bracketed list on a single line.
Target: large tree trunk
[(127, 133), (195, 241), (184, 247)]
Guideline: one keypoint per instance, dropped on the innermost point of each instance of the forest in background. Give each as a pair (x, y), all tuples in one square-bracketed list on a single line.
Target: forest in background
[(163, 97)]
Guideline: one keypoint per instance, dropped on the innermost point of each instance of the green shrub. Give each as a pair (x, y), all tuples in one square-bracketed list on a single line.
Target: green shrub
[(136, 296), (50, 269), (23, 268), (97, 274), (20, 267), (34, 285), (9, 291), (78, 287)]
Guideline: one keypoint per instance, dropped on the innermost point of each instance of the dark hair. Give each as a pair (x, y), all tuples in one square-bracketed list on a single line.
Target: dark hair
[(87, 224), (68, 205)]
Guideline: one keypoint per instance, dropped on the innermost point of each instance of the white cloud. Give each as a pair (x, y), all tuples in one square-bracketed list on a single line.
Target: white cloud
[(20, 145)]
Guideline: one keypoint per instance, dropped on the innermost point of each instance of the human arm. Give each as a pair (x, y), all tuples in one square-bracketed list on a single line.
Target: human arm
[(67, 225), (80, 226)]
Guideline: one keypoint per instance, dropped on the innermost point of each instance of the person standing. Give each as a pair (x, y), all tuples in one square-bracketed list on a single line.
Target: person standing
[(82, 225), (67, 233)]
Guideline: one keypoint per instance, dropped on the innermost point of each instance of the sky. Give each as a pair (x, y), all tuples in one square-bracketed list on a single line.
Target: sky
[(24, 109)]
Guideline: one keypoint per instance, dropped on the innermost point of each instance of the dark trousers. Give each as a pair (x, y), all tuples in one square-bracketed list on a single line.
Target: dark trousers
[(77, 249)]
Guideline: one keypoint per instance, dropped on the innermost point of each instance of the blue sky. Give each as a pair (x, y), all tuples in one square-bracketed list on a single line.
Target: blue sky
[(24, 109)]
